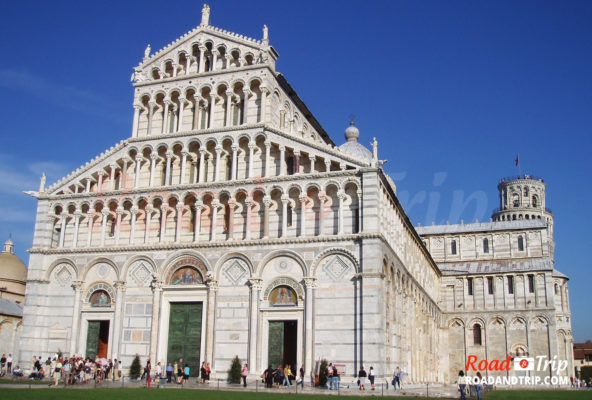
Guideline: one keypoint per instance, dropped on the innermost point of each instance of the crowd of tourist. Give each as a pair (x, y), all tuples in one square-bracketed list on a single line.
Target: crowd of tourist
[(72, 370)]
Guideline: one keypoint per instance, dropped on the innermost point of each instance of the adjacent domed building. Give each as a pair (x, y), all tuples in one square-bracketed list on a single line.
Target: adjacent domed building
[(13, 274)]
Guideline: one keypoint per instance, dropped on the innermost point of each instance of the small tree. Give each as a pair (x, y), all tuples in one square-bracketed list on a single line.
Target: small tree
[(323, 373), (136, 368), (235, 372)]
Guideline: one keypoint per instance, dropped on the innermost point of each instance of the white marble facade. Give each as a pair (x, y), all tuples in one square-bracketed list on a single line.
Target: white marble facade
[(226, 171)]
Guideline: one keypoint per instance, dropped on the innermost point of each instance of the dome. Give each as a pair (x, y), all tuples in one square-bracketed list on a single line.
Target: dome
[(11, 267), (352, 147)]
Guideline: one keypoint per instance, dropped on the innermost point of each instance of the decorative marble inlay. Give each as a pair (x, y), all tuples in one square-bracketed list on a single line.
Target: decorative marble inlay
[(281, 266), (336, 268), (140, 274), (235, 271), (102, 271), (63, 276)]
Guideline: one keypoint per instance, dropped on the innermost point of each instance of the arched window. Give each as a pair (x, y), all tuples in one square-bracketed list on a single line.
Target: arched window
[(485, 245), (477, 335), (516, 200), (453, 247), (289, 216), (520, 243), (535, 201)]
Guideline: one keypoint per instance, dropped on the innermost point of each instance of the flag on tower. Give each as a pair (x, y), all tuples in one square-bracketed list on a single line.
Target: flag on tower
[(517, 159)]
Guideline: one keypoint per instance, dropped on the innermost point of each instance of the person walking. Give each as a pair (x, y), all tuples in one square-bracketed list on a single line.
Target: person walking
[(329, 375), (208, 372), (203, 372), (186, 374), (9, 364), (176, 371), (335, 378), (169, 372), (287, 374), (462, 385), (362, 378), (301, 377), (371, 377), (57, 372), (479, 386), (268, 376), (244, 374)]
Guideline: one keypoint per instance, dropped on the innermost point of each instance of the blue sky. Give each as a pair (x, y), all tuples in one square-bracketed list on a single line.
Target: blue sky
[(451, 90)]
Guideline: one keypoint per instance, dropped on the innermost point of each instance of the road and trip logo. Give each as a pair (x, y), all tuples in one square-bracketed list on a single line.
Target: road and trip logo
[(538, 370)]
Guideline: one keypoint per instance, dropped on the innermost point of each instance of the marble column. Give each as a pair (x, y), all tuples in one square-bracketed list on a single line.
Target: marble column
[(165, 116), (90, 217), (264, 93), (322, 213), (77, 216), (62, 231), (296, 162), (202, 156), (184, 155), (137, 171), (179, 220), (210, 321), (234, 161), (267, 205), (151, 106), (341, 197), (247, 93), (231, 208), (148, 218), (135, 124), (285, 200), (182, 102), (267, 157), (153, 158), (215, 205), (133, 217), (117, 317), (197, 223), (310, 283), (312, 159), (255, 293), (229, 100), (251, 159), (167, 171), (248, 203), (282, 160), (217, 163), (75, 328), (163, 220), (118, 224), (327, 165), (303, 199), (103, 226), (156, 287)]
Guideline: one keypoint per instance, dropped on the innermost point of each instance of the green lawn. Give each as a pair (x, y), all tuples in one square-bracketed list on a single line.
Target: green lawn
[(187, 394)]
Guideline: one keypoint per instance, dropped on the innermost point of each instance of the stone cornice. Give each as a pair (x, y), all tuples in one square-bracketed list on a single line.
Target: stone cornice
[(195, 75), (207, 185), (204, 244)]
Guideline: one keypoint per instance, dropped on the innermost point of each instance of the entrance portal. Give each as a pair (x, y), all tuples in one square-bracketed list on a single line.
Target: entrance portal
[(185, 335), (282, 347), (97, 339)]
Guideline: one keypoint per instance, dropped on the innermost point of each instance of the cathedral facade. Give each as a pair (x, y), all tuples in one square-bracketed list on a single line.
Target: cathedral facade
[(230, 223)]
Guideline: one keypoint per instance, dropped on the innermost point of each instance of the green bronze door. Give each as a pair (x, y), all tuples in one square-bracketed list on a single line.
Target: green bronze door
[(92, 339), (185, 335), (275, 348)]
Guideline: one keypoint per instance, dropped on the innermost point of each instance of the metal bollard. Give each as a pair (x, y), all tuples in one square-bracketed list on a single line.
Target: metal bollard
[(428, 389)]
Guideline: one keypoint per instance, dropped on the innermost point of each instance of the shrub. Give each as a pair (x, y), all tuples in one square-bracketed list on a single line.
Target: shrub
[(235, 371), (136, 368)]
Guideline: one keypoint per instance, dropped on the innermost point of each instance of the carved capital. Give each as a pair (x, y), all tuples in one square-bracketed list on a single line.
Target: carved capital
[(78, 285), (310, 282), (255, 283)]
